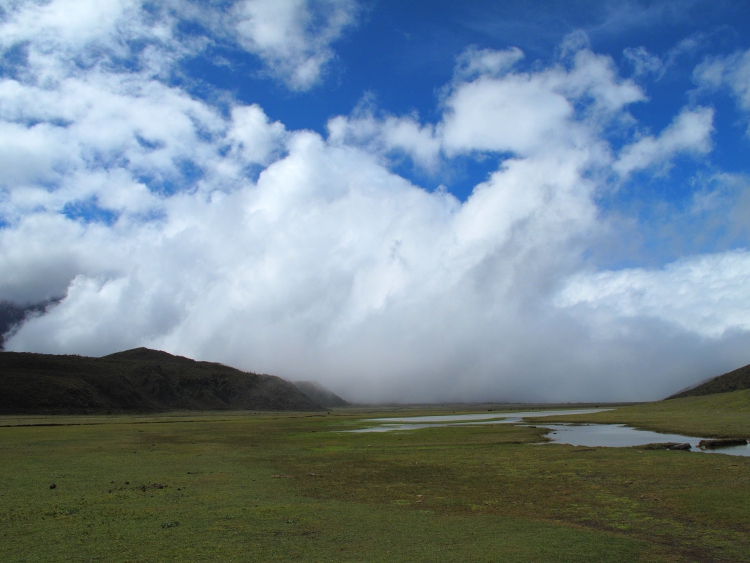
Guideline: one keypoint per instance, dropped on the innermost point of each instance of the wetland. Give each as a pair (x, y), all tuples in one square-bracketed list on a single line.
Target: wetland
[(591, 435), (243, 486)]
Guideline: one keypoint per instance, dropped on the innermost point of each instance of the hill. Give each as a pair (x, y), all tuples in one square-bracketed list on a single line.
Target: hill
[(733, 381), (320, 394), (139, 380)]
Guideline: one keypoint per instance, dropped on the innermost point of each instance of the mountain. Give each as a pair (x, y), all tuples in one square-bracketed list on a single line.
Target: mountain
[(733, 381), (139, 380), (320, 394)]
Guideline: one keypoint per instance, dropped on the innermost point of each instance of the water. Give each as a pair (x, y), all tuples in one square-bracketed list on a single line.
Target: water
[(507, 416), (417, 422), (621, 436), (589, 435)]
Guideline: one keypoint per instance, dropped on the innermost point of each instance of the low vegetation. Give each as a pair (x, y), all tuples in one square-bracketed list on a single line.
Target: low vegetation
[(294, 487)]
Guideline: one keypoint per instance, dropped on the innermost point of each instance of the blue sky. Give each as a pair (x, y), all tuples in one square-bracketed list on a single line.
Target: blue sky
[(405, 201)]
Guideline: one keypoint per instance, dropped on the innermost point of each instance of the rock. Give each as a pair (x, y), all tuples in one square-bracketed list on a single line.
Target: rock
[(684, 446), (721, 443), (665, 446)]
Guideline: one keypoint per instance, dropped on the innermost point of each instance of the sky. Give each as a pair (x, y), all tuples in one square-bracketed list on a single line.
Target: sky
[(404, 201)]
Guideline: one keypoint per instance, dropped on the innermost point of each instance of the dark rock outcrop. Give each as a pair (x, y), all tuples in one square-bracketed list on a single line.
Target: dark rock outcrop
[(721, 443)]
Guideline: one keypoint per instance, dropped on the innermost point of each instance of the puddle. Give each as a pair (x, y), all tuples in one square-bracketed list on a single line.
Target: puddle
[(621, 436)]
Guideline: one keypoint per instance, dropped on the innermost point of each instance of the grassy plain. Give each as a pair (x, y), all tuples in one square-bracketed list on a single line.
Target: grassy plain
[(261, 487)]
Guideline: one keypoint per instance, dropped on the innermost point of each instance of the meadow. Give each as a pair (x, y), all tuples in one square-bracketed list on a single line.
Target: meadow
[(293, 487)]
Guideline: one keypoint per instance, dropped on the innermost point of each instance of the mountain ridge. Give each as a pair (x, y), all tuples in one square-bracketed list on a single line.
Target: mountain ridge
[(137, 380), (320, 394), (735, 380)]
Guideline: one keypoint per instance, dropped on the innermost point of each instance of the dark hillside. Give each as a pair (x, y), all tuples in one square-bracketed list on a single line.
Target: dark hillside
[(139, 380), (733, 381), (320, 394), (149, 355)]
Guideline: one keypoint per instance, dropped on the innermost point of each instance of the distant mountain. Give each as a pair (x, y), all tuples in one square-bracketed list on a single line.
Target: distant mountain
[(733, 381), (139, 380), (320, 394)]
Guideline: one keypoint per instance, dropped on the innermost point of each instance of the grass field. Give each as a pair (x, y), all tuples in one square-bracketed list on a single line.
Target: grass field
[(261, 487)]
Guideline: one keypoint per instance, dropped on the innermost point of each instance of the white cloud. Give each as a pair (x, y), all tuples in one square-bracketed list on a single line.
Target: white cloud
[(690, 132), (64, 22), (253, 138), (213, 232), (524, 113), (388, 135), (517, 114), (474, 62), (706, 295), (293, 37), (644, 62), (732, 71)]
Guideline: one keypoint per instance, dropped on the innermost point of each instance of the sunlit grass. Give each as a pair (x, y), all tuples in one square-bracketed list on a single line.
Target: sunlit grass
[(243, 487)]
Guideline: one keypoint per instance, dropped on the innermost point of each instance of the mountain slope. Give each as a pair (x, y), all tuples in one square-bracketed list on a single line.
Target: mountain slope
[(320, 394), (139, 380), (732, 381)]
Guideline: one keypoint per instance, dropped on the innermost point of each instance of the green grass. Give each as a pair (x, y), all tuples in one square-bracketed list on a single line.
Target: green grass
[(293, 488)]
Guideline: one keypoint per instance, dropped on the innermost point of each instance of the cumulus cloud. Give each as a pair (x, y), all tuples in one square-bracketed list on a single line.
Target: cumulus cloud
[(524, 113), (170, 221), (389, 135)]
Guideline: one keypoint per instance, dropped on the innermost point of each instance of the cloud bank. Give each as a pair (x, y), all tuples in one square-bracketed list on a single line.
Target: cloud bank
[(204, 228)]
